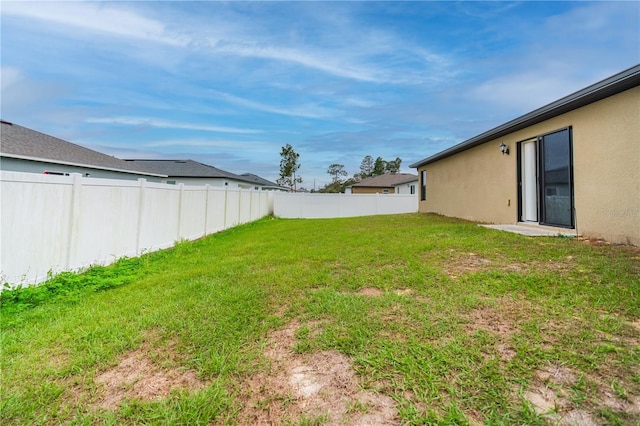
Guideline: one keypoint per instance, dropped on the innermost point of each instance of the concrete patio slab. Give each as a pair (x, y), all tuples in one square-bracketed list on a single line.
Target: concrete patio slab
[(533, 231)]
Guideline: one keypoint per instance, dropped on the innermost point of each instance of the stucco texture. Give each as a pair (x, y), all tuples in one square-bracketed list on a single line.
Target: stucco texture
[(371, 190), (480, 184)]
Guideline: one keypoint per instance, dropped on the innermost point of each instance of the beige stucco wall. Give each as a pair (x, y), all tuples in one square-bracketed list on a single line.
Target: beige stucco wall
[(480, 183), (370, 190)]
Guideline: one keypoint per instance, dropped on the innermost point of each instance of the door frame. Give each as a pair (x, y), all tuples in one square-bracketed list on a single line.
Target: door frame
[(520, 175), (540, 179)]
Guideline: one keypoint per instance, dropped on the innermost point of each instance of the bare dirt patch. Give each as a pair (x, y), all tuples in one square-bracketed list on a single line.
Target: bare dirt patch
[(491, 319), (463, 263), (556, 374), (138, 376), (320, 385), (370, 291), (458, 264), (506, 352), (549, 396), (503, 318)]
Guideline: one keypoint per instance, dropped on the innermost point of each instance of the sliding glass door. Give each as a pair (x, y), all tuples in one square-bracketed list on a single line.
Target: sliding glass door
[(546, 179), (556, 190)]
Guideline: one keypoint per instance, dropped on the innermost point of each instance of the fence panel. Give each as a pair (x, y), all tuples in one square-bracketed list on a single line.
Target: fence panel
[(313, 206), (105, 221), (216, 202), (159, 222), (51, 223), (244, 207), (193, 212), (58, 223), (35, 224)]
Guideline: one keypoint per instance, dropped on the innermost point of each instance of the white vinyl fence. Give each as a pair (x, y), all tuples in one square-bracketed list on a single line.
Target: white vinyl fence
[(52, 223), (314, 206)]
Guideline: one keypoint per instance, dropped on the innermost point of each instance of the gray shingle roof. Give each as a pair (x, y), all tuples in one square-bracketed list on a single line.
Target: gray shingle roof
[(20, 142), (262, 181), (387, 180), (187, 169)]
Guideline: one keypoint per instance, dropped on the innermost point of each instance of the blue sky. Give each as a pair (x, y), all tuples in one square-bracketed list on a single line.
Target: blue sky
[(230, 83)]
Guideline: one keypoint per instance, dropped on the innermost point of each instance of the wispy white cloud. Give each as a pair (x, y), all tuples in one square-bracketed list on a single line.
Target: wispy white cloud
[(218, 144), (22, 94), (11, 76), (328, 62), (152, 122), (485, 10), (359, 102), (559, 56), (358, 60), (523, 91), (96, 17), (307, 110)]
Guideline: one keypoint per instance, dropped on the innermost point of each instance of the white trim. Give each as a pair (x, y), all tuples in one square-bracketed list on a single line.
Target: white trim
[(69, 163)]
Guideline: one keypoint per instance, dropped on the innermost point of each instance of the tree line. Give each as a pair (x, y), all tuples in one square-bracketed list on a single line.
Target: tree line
[(368, 168), (290, 164)]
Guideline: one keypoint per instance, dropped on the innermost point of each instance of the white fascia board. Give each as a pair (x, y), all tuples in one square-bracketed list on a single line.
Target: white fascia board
[(69, 163)]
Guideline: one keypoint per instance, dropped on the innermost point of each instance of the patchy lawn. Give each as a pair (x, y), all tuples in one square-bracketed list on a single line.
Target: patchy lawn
[(406, 319)]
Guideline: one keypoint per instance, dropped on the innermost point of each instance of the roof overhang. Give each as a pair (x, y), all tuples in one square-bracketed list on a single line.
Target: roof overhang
[(613, 85), (405, 182), (372, 186), (86, 166)]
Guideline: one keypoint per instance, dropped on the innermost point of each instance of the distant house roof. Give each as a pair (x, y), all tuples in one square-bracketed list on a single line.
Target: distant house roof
[(263, 182), (386, 180), (26, 144), (187, 169), (613, 85)]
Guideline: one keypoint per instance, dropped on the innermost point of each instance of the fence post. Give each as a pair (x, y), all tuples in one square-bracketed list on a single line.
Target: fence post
[(141, 203), (206, 208), (251, 205), (76, 188), (180, 201), (239, 205), (224, 211)]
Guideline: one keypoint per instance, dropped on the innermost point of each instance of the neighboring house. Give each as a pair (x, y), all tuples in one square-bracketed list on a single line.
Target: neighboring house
[(388, 183), (26, 150), (574, 163), (264, 184), (407, 188), (191, 172)]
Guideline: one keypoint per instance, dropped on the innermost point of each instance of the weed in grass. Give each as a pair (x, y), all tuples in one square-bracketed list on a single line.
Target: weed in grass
[(303, 343), (618, 390), (319, 420), (357, 407)]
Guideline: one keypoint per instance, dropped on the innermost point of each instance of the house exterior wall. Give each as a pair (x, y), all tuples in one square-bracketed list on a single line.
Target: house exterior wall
[(201, 181), (481, 184), (477, 184), (405, 188), (30, 166), (371, 190), (223, 182)]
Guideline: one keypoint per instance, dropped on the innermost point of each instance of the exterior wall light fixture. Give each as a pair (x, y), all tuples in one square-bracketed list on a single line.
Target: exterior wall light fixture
[(504, 149)]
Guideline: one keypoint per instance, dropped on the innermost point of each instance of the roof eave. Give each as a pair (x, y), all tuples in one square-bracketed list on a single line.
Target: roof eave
[(88, 166), (618, 83), (373, 186)]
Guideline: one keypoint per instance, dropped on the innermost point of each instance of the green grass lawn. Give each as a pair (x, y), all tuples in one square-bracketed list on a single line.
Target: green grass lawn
[(435, 320)]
